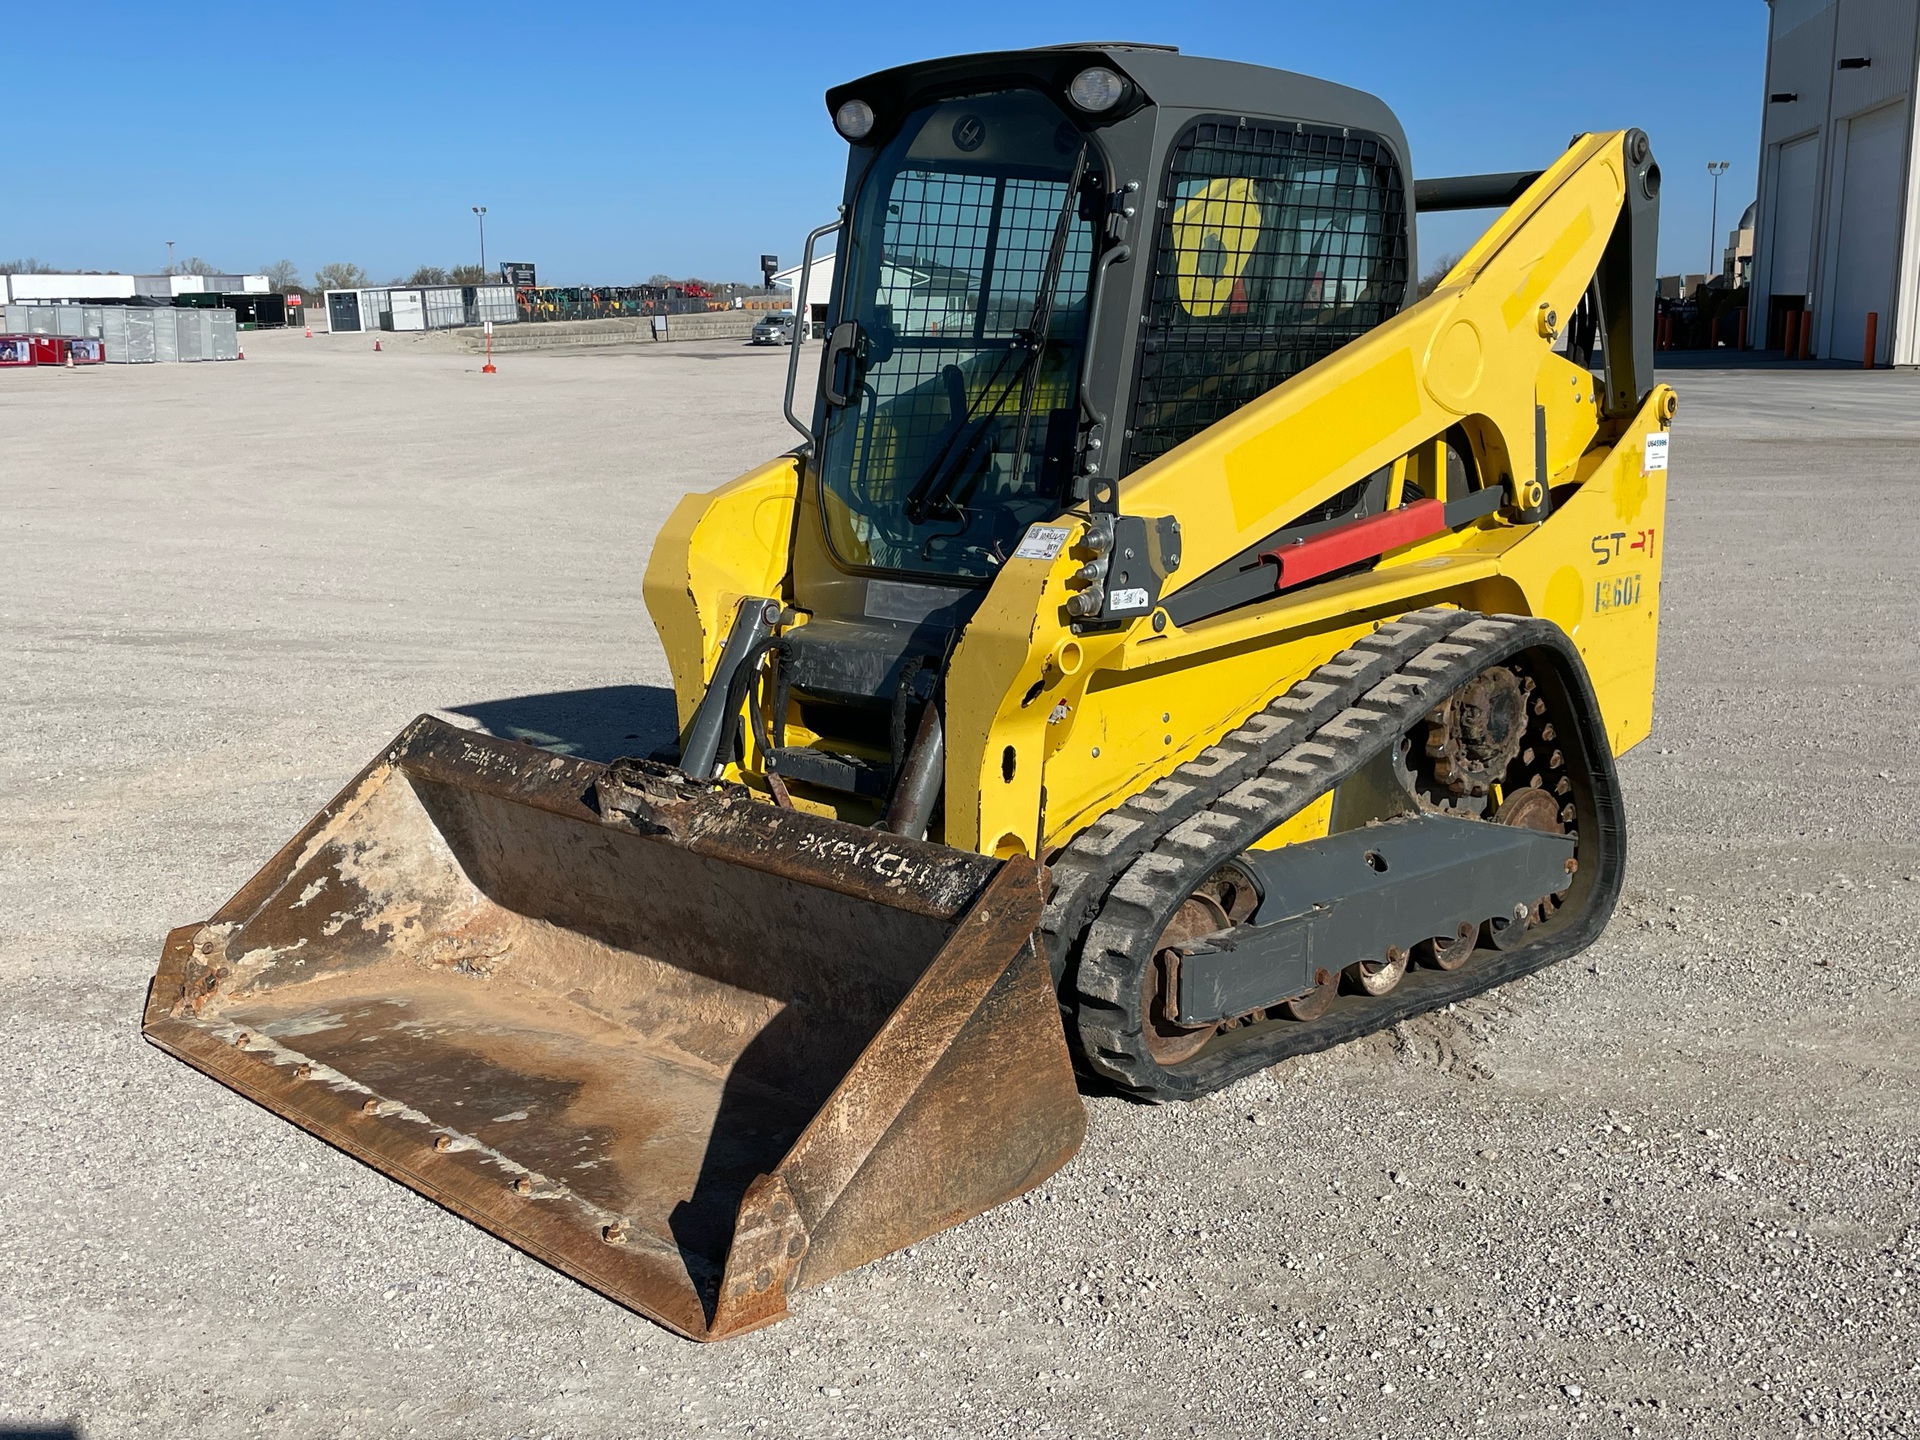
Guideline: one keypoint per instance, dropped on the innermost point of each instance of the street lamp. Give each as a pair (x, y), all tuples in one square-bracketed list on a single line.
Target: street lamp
[(481, 211), (1715, 168), (169, 257)]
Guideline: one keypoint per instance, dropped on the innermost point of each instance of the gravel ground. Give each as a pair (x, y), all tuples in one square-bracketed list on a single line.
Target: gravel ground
[(1668, 1189)]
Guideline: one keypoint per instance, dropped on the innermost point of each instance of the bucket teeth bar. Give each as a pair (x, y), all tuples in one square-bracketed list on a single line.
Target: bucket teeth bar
[(692, 1050)]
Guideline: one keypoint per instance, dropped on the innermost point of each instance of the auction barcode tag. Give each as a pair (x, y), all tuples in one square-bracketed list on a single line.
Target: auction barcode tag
[(1043, 542), (1656, 455)]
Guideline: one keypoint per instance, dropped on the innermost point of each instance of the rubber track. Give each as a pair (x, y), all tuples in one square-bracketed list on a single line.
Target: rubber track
[(1309, 740), (1088, 866)]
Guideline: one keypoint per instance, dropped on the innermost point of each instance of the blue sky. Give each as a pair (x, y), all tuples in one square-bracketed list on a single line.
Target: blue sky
[(613, 141)]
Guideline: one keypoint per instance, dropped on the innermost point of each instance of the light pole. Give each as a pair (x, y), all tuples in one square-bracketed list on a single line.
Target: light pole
[(1715, 168), (169, 257), (481, 211)]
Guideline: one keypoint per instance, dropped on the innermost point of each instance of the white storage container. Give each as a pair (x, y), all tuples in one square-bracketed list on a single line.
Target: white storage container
[(409, 310)]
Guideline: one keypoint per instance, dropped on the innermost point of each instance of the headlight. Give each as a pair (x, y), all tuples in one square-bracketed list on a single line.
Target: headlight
[(854, 119), (1096, 90)]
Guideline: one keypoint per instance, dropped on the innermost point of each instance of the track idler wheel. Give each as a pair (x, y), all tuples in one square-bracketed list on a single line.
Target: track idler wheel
[(1504, 932), (1224, 901), (1317, 1001), (1450, 952), (1377, 977)]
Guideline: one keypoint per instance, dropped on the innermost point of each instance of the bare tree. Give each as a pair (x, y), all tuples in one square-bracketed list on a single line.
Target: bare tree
[(29, 266), (196, 266), (282, 275), (428, 275), (339, 276), (1435, 273), (469, 275)]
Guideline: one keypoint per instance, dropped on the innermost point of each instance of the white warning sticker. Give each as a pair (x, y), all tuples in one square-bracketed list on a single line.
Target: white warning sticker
[(1043, 542), (1656, 456), (1126, 601)]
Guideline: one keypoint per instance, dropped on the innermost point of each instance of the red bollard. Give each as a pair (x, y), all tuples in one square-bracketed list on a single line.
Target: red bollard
[(1873, 338), (1740, 332), (1806, 335), (1790, 342)]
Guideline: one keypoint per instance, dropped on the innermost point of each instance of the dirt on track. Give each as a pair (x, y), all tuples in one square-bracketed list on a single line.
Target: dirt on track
[(1669, 1189)]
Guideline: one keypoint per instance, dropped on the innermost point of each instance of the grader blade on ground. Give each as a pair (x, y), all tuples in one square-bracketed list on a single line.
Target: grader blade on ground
[(695, 1051)]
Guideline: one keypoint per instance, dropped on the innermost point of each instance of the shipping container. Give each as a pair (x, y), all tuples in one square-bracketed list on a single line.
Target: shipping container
[(49, 349), (140, 333), (446, 307), (113, 333), (188, 335), (166, 334), (495, 303), (343, 311), (225, 337)]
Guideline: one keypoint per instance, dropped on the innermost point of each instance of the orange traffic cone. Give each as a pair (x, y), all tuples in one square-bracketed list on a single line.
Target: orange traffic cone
[(376, 347), (69, 350), (241, 356), (309, 332)]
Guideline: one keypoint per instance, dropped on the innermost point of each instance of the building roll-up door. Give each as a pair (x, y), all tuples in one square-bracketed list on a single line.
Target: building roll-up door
[(1866, 255), (1790, 241)]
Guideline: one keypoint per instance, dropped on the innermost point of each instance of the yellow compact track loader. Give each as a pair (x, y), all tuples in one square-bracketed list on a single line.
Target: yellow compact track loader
[(1173, 646)]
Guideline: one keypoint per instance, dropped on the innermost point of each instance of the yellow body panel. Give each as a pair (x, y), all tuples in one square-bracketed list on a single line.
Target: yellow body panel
[(1046, 730), (715, 549)]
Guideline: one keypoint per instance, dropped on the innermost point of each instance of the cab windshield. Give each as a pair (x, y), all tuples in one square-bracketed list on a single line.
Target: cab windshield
[(968, 258)]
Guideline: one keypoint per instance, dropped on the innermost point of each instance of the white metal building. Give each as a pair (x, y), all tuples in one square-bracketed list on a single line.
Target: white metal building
[(1838, 228), (55, 289), (819, 285)]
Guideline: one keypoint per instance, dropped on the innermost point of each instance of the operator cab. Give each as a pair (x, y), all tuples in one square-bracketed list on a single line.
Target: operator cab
[(1054, 266)]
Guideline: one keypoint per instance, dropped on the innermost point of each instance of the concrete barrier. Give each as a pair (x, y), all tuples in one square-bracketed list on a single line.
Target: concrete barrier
[(639, 329)]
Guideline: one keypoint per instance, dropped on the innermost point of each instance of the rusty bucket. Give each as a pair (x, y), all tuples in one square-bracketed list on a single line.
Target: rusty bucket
[(695, 1051)]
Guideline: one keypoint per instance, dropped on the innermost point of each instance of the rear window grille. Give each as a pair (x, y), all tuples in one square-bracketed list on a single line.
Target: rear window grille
[(1277, 245)]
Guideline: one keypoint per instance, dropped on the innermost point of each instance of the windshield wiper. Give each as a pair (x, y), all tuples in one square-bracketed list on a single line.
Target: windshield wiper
[(943, 473)]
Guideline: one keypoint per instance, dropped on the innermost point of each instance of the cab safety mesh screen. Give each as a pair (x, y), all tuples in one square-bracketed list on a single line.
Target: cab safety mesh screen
[(1277, 245)]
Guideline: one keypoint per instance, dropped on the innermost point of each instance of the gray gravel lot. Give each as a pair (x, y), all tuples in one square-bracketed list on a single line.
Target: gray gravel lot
[(1669, 1189)]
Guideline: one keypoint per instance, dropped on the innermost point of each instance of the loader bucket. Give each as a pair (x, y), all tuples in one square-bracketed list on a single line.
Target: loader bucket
[(693, 1050)]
